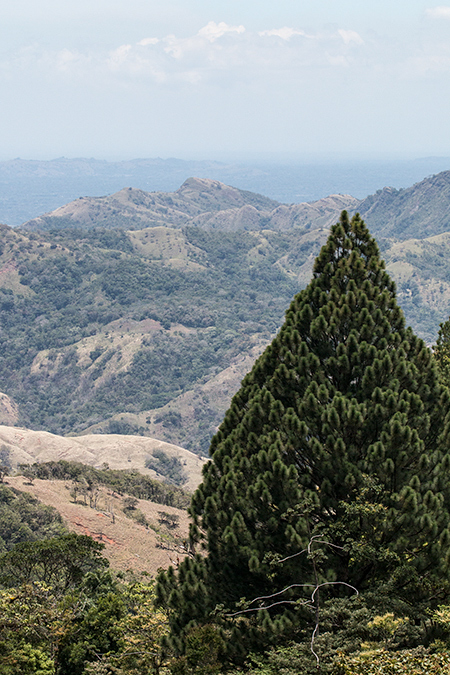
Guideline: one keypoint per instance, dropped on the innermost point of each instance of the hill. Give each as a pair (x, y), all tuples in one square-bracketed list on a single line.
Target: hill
[(198, 202), (24, 446), (148, 332), (419, 211), (134, 209), (99, 326)]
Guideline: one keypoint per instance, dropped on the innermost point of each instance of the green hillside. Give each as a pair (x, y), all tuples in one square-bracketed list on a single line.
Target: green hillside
[(130, 332), (149, 330), (418, 211), (93, 326)]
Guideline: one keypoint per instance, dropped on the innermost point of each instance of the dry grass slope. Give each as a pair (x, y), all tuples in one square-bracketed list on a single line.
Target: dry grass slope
[(128, 545), (119, 452)]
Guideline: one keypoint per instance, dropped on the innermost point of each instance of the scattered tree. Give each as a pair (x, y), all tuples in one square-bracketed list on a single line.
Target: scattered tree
[(442, 352), (4, 471), (130, 503), (170, 520)]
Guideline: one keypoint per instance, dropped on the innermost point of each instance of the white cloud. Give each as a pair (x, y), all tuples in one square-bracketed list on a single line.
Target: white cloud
[(212, 31), (148, 41), (224, 55), (441, 12), (350, 36), (217, 53), (67, 60), (119, 56), (284, 33)]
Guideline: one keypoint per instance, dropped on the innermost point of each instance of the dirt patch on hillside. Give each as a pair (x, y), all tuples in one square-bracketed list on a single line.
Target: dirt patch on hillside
[(128, 545)]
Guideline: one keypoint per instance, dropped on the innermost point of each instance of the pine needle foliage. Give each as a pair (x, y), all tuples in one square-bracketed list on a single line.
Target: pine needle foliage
[(337, 436)]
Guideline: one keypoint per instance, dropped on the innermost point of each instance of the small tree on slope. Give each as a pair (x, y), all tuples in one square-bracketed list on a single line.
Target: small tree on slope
[(340, 431)]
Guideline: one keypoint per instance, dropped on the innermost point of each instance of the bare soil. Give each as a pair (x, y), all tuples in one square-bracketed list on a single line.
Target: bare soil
[(128, 545)]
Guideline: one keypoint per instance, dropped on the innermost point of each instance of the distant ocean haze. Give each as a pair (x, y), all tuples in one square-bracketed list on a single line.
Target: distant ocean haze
[(29, 188)]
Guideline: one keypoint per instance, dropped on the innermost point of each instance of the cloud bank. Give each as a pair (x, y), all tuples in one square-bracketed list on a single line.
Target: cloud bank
[(222, 85), (216, 49), (220, 54)]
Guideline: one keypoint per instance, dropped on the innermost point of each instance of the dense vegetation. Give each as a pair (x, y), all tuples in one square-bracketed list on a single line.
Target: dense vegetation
[(328, 489), (63, 613), (95, 323), (171, 468), (73, 290), (24, 518)]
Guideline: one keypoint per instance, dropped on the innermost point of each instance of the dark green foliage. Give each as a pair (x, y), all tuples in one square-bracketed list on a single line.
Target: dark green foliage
[(95, 632), (169, 467), (116, 240), (121, 427), (336, 441), (24, 518), (130, 503), (62, 609), (204, 649), (356, 641), (170, 419), (170, 520), (60, 562), (128, 482)]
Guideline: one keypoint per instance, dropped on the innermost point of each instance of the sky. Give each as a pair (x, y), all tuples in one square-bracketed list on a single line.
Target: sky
[(290, 80)]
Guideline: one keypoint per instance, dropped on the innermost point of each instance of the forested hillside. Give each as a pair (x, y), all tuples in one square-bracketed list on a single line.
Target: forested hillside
[(98, 323), (149, 331)]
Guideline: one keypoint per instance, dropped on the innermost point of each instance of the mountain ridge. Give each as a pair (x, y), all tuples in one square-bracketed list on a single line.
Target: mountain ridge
[(198, 202), (419, 211)]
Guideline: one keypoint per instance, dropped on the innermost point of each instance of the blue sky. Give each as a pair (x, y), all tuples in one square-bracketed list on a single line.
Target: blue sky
[(239, 79)]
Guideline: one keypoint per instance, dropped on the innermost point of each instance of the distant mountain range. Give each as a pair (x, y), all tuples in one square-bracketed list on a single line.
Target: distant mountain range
[(139, 313), (198, 202), (32, 187), (419, 211)]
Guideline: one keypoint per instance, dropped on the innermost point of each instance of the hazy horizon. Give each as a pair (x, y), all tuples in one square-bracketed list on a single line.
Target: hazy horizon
[(29, 188), (205, 79)]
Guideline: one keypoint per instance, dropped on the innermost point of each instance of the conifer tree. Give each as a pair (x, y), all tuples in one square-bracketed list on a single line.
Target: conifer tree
[(337, 435)]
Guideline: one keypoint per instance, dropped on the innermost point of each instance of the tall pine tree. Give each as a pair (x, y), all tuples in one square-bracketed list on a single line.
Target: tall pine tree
[(337, 435)]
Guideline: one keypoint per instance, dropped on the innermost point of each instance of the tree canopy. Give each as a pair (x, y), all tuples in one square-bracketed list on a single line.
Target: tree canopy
[(331, 466)]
